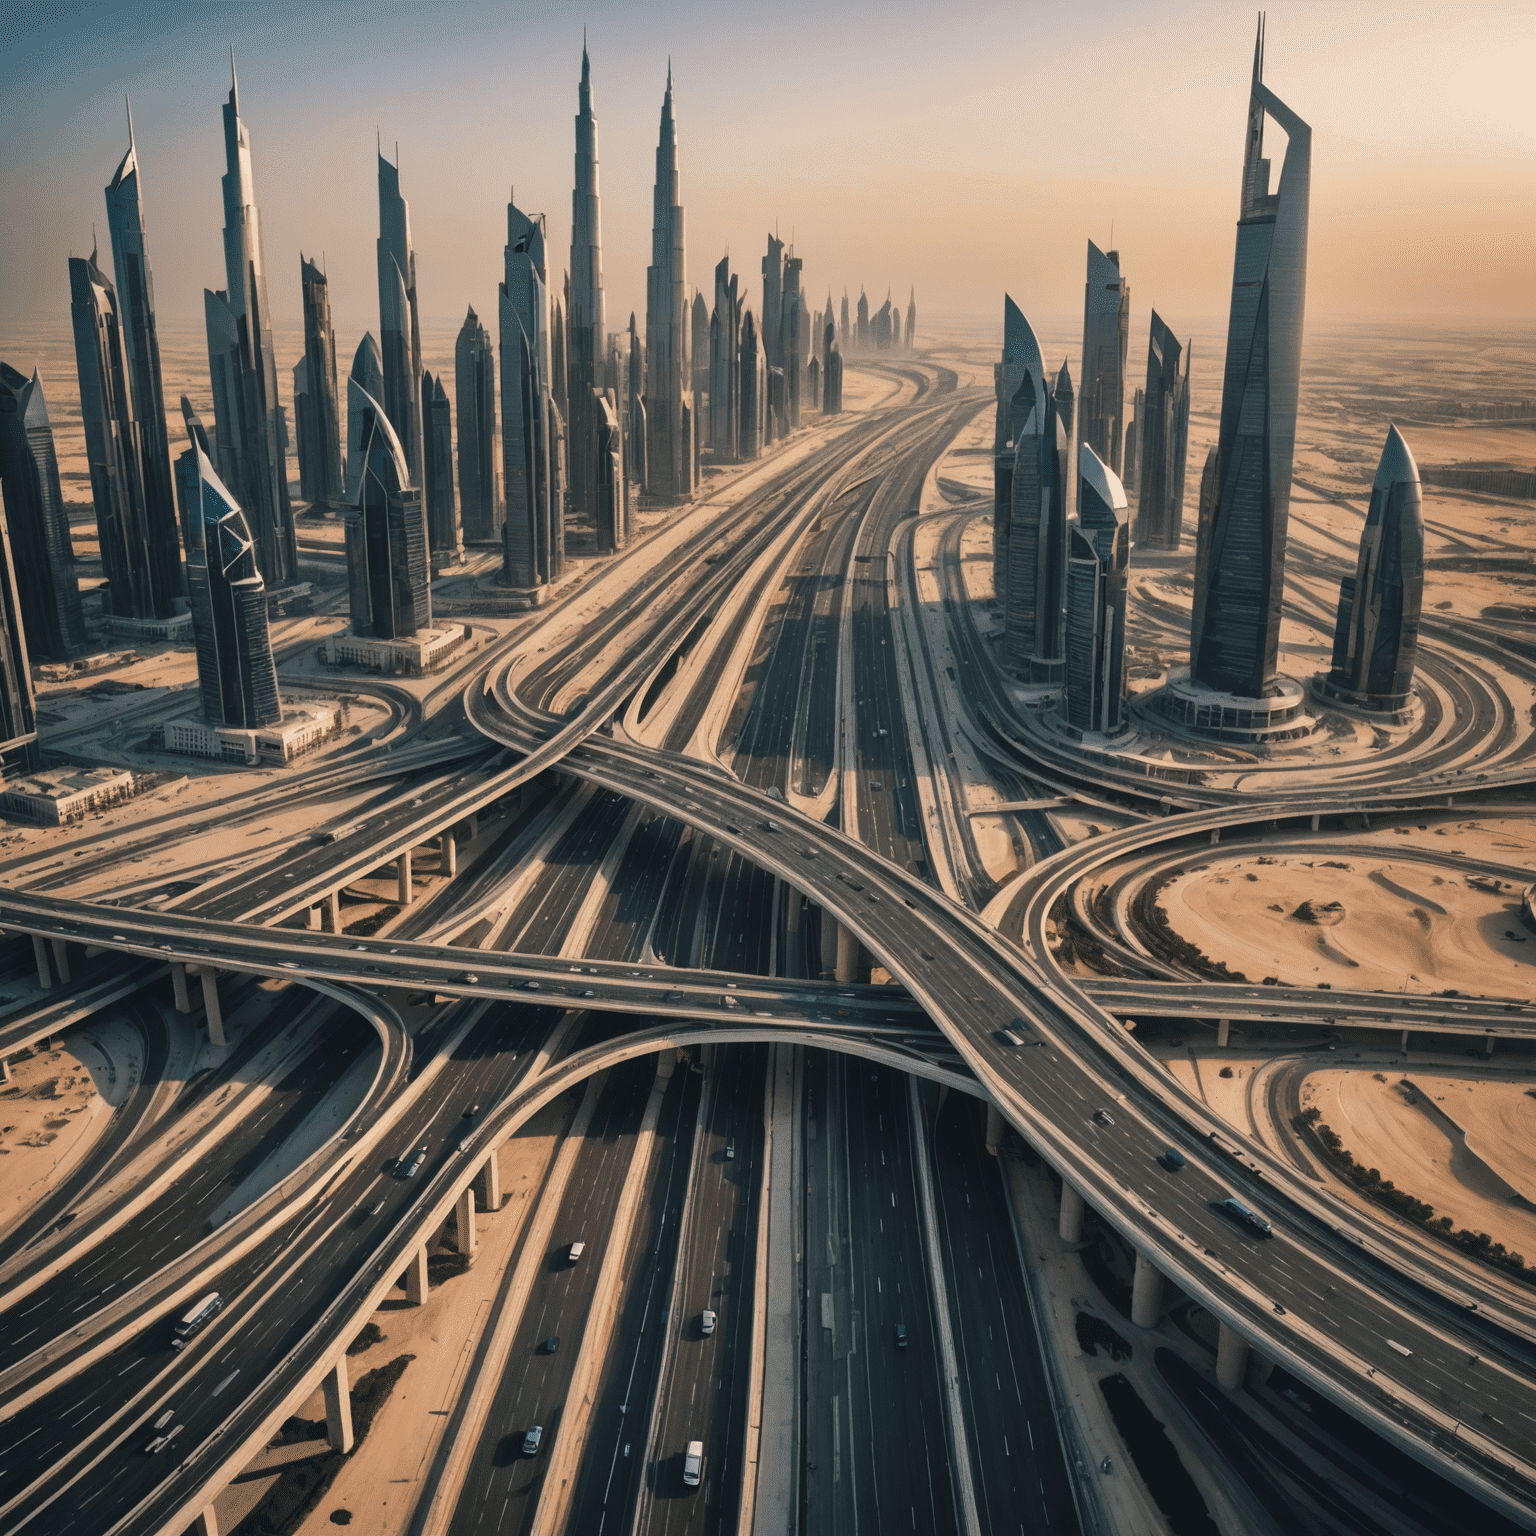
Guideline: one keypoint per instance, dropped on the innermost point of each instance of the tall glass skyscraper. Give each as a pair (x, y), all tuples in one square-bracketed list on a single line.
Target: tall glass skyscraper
[(1106, 343), (1164, 440), (1097, 563), (1240, 553), (669, 455)]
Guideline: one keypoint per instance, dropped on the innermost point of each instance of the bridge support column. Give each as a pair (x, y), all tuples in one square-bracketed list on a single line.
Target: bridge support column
[(474, 825), (211, 1005), (1316, 819), (1223, 1031), (5, 1070), (1487, 1039), (1146, 1293), (40, 954), (828, 943), (416, 1278), (1215, 834), (792, 905), (333, 903), (448, 855), (491, 1179), (1231, 1359), (847, 954), (179, 987), (206, 1523), (312, 919), (61, 959), (338, 1407), (996, 1130), (1071, 1224), (1404, 1046), (403, 876), (464, 1223)]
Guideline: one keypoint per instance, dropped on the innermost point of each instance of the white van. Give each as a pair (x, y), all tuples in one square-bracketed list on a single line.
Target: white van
[(693, 1463), (203, 1312), (574, 1252)]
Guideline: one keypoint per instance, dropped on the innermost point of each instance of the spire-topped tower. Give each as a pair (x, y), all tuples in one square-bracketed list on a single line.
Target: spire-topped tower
[(163, 582), (1240, 547), (587, 321), (252, 463), (399, 327), (670, 456)]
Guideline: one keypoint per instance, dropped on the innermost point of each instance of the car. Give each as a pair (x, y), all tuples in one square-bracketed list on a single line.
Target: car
[(771, 825), (160, 1442), (730, 1147), (551, 1345), (376, 1207), (693, 1463), (471, 979), (1245, 1217), (532, 1438), (164, 1419), (408, 1170), (1171, 1159), (674, 996), (1008, 1037), (289, 965), (901, 1335), (574, 1252), (734, 830), (706, 1322), (726, 1001), (531, 986), (470, 1113), (1104, 1117), (589, 993)]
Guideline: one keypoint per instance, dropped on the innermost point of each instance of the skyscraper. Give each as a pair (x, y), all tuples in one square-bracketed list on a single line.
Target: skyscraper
[(1106, 341), (1037, 540), (773, 291), (18, 711), (534, 532), (751, 391), (792, 339), (49, 597), (388, 564), (842, 324), (612, 508), (1131, 460), (474, 370), (1097, 563), (698, 357), (318, 417), (442, 506), (399, 328), (635, 383), (1020, 394), (146, 391), (111, 435), (586, 319), (1376, 638), (236, 676), (724, 363), (243, 366), (911, 319), (1164, 434), (1235, 629), (831, 371), (861, 336), (668, 415)]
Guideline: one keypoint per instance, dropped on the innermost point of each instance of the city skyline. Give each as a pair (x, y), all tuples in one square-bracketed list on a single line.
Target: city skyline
[(1455, 147)]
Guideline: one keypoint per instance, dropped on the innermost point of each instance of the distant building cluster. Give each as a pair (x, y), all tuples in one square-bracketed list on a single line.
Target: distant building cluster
[(1061, 580)]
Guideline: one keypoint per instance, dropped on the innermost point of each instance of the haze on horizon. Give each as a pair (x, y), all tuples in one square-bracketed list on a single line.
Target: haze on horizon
[(957, 150)]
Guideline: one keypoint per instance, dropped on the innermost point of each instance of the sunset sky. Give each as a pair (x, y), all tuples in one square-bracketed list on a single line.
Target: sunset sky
[(958, 148)]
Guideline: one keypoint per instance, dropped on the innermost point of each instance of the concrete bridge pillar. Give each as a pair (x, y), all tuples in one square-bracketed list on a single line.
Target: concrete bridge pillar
[(448, 855), (333, 903), (1404, 1046), (206, 1523), (1231, 1359), (312, 919), (1316, 819), (40, 954), (1146, 1293), (1487, 1039), (792, 905), (464, 1223), (1071, 1225), (5, 1070), (61, 959), (179, 987), (1223, 1031), (403, 874), (996, 1130), (1215, 834), (847, 955), (492, 1182), (828, 943), (474, 825), (338, 1407), (416, 1278), (211, 1005)]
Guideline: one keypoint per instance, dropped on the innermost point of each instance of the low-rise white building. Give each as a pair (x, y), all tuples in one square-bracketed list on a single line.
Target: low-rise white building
[(54, 796), (304, 726), (415, 654)]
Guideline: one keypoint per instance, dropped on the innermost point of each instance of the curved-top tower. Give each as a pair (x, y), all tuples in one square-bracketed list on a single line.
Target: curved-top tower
[(1376, 637), (1240, 551), (399, 328), (586, 321), (668, 415)]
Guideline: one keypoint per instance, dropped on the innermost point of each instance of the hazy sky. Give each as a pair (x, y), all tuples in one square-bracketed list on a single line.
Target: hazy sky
[(958, 148)]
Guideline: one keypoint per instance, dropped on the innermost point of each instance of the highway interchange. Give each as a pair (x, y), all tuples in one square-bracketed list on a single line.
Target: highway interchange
[(693, 811)]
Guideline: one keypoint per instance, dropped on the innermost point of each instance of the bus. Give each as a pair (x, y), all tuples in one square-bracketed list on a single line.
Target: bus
[(205, 1311)]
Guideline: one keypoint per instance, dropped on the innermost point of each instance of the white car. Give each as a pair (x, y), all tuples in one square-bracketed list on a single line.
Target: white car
[(693, 1463), (531, 1440), (706, 1322)]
